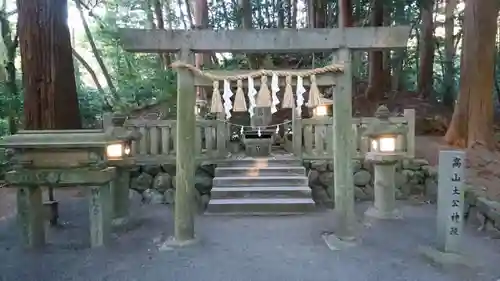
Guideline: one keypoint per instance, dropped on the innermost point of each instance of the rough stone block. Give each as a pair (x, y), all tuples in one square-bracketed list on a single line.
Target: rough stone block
[(258, 147)]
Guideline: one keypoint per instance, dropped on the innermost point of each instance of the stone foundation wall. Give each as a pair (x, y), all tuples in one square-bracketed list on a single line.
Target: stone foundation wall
[(413, 177), (486, 211), (156, 183)]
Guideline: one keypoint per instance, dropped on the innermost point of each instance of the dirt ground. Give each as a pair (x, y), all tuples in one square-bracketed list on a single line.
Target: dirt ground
[(8, 200)]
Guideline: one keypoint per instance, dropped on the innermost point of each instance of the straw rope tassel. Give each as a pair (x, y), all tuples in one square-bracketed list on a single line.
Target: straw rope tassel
[(216, 106), (239, 100), (288, 101), (314, 95), (264, 95)]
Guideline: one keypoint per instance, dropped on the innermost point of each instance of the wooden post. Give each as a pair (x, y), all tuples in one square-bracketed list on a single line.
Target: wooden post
[(450, 200), (221, 135), (409, 114), (297, 134), (185, 163), (100, 215), (107, 120), (343, 139), (120, 195), (30, 216)]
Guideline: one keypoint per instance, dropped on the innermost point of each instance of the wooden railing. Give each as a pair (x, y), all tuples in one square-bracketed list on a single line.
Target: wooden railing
[(313, 138), (158, 142)]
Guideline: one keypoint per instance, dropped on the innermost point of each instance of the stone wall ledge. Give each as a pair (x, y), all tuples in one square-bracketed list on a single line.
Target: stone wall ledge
[(488, 211)]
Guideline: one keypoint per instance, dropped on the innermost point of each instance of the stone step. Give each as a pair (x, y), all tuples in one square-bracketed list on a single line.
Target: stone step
[(261, 192), (257, 171), (261, 181), (260, 206), (260, 162)]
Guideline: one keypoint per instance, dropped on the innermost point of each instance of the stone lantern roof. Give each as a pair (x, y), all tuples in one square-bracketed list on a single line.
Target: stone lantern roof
[(382, 126)]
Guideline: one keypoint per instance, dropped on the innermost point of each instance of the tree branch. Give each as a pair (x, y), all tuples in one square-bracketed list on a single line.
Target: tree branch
[(97, 55), (93, 75)]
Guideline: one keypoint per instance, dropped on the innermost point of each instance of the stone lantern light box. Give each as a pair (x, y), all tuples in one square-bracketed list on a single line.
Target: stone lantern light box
[(200, 107), (118, 141), (383, 134), (324, 108)]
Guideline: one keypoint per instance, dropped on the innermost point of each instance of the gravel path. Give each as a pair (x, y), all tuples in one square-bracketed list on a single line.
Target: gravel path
[(241, 249)]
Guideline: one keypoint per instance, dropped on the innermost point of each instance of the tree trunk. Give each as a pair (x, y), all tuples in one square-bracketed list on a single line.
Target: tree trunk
[(189, 13), (472, 120), (201, 21), (425, 75), (400, 17), (182, 16), (387, 58), (245, 11), (289, 12), (149, 14), (347, 16), (320, 13), (293, 19), (311, 15), (50, 98), (281, 13), (170, 18), (375, 90), (449, 49), (164, 57)]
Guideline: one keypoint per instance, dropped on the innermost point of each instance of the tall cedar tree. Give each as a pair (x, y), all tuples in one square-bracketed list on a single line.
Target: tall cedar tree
[(472, 120), (50, 97)]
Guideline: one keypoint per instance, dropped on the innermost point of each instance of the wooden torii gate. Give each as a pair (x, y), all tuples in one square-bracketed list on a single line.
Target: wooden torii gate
[(188, 42)]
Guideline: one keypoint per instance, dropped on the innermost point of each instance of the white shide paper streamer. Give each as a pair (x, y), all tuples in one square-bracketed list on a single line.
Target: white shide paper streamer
[(252, 92), (275, 88), (300, 92), (227, 98)]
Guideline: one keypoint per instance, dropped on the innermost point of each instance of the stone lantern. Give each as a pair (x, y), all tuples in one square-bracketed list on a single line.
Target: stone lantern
[(99, 160), (200, 107), (384, 154), (322, 109)]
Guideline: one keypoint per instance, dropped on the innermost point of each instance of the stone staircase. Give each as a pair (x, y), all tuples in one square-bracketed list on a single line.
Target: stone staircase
[(260, 186)]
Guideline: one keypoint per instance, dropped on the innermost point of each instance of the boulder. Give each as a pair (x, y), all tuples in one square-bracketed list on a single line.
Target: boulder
[(204, 200), (168, 168), (326, 179), (203, 182), (162, 182), (169, 196), (313, 177), (359, 194), (142, 182), (356, 165), (431, 189), (320, 196), (362, 178), (320, 166), (152, 196), (151, 169)]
